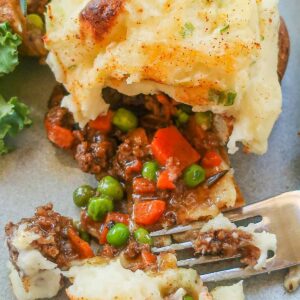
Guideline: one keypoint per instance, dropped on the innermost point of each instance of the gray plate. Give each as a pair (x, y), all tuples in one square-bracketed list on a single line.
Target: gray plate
[(37, 173)]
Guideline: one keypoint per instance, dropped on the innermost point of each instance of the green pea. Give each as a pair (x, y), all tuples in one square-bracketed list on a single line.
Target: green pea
[(110, 186), (204, 119), (142, 236), (149, 170), (99, 207), (193, 175), (84, 235), (188, 298), (82, 195), (118, 235), (182, 117), (36, 21), (125, 120)]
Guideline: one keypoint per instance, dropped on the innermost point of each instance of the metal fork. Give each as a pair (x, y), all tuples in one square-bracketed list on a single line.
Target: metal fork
[(280, 215)]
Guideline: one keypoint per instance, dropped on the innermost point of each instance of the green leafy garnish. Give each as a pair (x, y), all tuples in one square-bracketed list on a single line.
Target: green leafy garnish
[(9, 43), (187, 30), (224, 29), (13, 118), (221, 97)]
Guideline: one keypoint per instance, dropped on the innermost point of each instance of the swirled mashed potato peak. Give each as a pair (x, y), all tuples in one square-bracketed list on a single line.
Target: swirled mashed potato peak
[(194, 51)]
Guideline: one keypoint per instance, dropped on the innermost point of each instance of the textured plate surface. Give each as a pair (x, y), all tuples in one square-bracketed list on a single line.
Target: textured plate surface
[(37, 173)]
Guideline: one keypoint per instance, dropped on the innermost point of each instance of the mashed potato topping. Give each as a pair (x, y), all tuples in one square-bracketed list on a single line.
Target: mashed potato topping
[(194, 51)]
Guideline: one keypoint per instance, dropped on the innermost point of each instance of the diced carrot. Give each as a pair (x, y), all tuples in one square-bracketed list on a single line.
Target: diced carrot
[(60, 136), (139, 134), (149, 212), (133, 167), (113, 216), (211, 159), (169, 142), (162, 98), (164, 182), (117, 217), (102, 123), (148, 258), (82, 247), (143, 186)]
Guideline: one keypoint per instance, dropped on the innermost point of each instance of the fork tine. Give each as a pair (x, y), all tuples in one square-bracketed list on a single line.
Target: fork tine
[(229, 274), (178, 229), (273, 212), (189, 262), (173, 247), (234, 215)]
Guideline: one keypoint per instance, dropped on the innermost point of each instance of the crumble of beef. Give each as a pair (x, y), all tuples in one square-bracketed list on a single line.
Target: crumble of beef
[(52, 228), (135, 147), (228, 243), (94, 157)]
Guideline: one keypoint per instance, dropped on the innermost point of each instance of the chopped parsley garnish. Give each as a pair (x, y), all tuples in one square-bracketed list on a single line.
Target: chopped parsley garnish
[(230, 98), (221, 97), (187, 30), (216, 96), (224, 29)]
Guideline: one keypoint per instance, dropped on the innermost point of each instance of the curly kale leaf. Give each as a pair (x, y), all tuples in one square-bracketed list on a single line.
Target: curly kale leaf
[(9, 43), (14, 116)]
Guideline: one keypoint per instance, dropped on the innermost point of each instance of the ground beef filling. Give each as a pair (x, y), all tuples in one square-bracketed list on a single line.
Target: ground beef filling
[(122, 155), (228, 243), (52, 228)]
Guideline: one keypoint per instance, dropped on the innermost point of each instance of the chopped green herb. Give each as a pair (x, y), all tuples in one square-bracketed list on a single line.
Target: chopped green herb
[(187, 30), (220, 97), (216, 96), (72, 67), (230, 98), (224, 29)]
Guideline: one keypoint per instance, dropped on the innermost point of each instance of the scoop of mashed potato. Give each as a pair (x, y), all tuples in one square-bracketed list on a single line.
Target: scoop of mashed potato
[(32, 276), (229, 292), (213, 55), (96, 280), (263, 240)]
